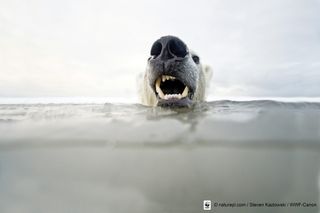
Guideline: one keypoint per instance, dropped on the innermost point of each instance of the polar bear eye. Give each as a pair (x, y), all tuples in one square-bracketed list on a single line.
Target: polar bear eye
[(196, 59)]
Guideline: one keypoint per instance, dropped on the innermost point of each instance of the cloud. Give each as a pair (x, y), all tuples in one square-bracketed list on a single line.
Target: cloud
[(84, 48)]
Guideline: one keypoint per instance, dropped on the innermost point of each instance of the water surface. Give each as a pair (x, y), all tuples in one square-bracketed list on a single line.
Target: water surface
[(132, 158)]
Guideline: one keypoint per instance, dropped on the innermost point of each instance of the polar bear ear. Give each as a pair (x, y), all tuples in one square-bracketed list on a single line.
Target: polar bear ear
[(207, 70)]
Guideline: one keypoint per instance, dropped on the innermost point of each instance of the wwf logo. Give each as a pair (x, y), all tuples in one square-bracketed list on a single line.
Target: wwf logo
[(207, 205)]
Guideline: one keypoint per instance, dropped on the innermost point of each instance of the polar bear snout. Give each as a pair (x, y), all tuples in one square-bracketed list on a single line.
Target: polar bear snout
[(168, 47)]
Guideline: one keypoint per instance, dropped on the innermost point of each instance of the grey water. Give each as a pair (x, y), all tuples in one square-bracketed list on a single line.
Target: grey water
[(132, 158)]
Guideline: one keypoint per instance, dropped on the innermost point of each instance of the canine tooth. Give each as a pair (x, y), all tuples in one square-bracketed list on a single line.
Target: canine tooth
[(158, 89), (160, 93), (185, 92), (168, 77), (158, 82), (163, 78)]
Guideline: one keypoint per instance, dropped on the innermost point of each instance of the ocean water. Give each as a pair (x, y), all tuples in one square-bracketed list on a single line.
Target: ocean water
[(104, 157)]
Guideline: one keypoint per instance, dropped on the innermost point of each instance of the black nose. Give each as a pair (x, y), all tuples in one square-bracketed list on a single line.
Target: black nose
[(169, 47)]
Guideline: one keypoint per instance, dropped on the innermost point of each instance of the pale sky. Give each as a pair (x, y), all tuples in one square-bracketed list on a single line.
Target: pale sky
[(258, 48)]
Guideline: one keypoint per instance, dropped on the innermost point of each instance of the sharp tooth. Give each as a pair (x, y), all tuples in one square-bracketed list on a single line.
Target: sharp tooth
[(158, 89), (163, 78), (168, 77), (172, 78), (185, 92), (161, 95), (172, 96), (158, 82)]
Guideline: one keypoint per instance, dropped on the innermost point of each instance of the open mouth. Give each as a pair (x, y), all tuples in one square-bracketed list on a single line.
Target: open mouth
[(170, 88)]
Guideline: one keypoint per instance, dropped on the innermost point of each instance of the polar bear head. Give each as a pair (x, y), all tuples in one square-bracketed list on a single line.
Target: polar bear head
[(174, 76)]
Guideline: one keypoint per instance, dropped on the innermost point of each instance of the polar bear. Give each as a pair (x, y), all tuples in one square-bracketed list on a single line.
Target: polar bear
[(174, 76)]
